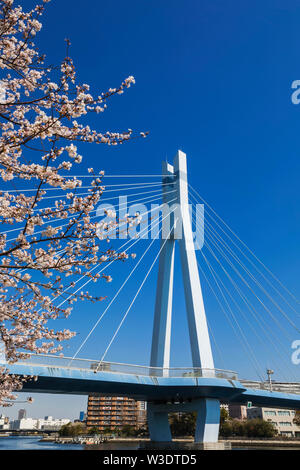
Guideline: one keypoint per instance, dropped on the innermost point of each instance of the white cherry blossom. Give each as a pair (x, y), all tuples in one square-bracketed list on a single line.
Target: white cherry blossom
[(44, 250)]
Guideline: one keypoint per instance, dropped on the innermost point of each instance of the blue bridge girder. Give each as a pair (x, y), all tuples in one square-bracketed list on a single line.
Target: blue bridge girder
[(64, 380)]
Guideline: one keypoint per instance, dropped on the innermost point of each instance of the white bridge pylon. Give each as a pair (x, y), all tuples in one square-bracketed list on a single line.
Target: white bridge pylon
[(175, 177)]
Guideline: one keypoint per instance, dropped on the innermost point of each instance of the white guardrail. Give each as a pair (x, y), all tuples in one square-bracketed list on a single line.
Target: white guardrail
[(97, 366), (283, 387)]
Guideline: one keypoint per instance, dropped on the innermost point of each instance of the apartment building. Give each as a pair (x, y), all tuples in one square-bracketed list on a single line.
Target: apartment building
[(115, 412), (283, 420)]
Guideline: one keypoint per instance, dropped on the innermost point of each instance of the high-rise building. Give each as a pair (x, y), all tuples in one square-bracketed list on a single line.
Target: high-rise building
[(22, 414), (82, 416), (141, 413), (115, 412)]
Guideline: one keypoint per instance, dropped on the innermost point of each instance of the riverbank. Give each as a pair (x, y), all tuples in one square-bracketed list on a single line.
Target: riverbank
[(236, 443), (34, 443), (128, 444), (263, 443), (86, 440)]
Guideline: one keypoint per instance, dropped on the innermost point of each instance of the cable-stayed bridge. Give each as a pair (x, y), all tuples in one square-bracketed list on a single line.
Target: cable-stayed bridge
[(244, 290)]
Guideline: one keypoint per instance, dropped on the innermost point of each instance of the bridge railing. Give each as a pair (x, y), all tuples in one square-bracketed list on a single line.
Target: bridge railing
[(52, 361), (288, 387)]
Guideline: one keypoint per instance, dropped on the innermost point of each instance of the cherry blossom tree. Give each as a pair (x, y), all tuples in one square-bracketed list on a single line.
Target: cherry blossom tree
[(40, 111)]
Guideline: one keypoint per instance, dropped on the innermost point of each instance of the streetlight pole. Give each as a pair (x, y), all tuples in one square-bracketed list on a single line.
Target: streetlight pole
[(270, 372)]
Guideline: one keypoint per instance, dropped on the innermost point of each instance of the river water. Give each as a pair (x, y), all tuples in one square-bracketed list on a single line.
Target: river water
[(34, 443)]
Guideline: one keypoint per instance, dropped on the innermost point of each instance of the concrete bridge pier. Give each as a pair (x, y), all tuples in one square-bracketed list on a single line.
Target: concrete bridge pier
[(158, 423), (208, 420), (207, 425)]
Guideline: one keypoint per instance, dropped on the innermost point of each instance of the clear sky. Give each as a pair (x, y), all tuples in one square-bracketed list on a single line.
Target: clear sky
[(213, 78)]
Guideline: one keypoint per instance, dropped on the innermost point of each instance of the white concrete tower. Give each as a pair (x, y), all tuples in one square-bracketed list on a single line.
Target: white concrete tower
[(176, 177), (207, 408), (161, 339)]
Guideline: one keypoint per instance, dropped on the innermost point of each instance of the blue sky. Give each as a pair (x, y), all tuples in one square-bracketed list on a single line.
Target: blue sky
[(213, 78)]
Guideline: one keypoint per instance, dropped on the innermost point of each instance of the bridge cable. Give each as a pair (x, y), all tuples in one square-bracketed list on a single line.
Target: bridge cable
[(249, 287), (116, 295), (157, 193), (225, 313), (252, 277), (137, 293), (247, 320), (209, 236), (244, 298), (116, 176), (91, 279), (97, 265), (118, 186), (245, 344), (233, 283), (64, 250), (93, 217), (249, 250)]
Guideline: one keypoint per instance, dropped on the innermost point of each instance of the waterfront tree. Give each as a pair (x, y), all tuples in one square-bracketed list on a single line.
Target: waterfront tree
[(259, 428), (183, 424), (94, 430), (224, 415), (297, 417), (128, 431), (72, 430), (225, 429), (247, 428)]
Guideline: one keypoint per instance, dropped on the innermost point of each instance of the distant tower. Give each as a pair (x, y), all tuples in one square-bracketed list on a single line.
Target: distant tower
[(22, 414), (2, 353)]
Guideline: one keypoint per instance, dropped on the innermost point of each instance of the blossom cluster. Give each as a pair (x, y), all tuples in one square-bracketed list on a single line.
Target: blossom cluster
[(44, 248)]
